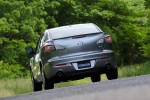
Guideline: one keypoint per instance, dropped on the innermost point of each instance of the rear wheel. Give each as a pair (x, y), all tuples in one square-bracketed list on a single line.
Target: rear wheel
[(47, 83), (96, 77), (112, 73), (37, 86)]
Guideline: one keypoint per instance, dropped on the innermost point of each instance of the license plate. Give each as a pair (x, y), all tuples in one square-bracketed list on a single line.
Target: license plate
[(84, 64)]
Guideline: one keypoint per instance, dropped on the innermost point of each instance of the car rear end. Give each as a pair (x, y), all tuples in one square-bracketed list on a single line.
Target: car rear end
[(77, 50)]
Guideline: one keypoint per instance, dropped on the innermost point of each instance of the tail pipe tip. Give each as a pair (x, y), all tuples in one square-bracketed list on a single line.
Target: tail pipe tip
[(59, 73), (108, 66)]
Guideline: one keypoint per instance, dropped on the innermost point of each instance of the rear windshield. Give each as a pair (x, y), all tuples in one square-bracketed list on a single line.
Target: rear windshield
[(73, 30)]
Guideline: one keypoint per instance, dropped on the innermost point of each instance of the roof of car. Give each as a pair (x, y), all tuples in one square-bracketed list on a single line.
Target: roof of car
[(72, 30)]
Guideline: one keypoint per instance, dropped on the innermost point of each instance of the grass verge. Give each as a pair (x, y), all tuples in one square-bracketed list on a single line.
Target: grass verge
[(13, 87), (135, 70)]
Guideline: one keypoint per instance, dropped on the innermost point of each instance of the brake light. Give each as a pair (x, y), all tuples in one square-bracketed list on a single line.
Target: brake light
[(108, 39), (49, 48)]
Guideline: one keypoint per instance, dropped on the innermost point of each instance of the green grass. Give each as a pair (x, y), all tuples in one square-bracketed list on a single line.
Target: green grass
[(135, 70), (15, 86), (11, 87)]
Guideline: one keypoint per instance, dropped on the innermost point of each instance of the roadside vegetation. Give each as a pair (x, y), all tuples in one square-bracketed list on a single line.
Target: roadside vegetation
[(23, 21), (12, 87)]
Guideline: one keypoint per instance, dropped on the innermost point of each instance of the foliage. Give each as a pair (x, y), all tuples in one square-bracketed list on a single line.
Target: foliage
[(124, 22), (147, 50), (22, 22), (12, 71), (12, 87), (146, 46)]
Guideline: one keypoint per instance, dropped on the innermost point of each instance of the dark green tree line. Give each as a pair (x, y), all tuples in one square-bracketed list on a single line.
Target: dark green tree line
[(22, 21)]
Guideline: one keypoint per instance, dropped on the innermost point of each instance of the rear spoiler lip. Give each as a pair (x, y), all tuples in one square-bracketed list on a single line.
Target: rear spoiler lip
[(79, 35)]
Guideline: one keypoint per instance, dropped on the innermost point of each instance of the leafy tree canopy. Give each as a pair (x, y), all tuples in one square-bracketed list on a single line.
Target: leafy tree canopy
[(22, 22)]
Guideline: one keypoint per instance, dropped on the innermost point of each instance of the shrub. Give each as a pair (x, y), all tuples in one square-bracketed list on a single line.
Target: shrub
[(12, 71)]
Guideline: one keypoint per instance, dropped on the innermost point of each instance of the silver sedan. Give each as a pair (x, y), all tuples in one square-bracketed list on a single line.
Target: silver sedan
[(71, 52)]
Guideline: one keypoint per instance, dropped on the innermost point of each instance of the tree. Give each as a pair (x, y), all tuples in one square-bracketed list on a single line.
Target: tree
[(146, 46), (63, 12), (22, 23), (125, 22)]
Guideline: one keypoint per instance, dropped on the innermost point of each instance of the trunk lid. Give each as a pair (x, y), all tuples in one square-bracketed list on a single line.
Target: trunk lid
[(79, 44)]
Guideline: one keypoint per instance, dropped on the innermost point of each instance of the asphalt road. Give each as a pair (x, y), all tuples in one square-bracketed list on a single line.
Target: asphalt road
[(133, 88)]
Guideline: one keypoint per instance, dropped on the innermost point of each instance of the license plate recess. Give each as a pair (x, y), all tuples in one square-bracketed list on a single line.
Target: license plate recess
[(84, 64)]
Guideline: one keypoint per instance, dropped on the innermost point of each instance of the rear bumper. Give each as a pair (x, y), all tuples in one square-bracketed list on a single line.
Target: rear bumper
[(100, 59)]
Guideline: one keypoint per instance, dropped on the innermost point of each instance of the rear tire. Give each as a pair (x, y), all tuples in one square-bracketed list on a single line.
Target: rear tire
[(47, 83), (112, 73), (37, 86), (96, 78)]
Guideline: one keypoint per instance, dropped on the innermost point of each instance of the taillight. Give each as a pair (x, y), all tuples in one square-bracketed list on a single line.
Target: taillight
[(108, 39), (48, 48)]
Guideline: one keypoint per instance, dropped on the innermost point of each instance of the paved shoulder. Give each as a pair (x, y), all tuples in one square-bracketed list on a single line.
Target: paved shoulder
[(137, 88)]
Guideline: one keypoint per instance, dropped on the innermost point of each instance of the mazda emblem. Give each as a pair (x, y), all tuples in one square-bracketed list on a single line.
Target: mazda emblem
[(80, 43)]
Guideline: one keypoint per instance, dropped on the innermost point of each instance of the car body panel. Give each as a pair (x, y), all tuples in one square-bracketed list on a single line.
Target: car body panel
[(77, 46)]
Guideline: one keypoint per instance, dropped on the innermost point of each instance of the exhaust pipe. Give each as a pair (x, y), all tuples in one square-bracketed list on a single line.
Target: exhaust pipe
[(59, 73), (108, 66)]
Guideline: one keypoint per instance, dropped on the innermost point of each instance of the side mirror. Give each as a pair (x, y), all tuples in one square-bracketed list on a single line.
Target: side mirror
[(30, 51)]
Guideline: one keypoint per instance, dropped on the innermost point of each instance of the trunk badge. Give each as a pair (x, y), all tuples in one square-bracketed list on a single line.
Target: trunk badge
[(80, 43)]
